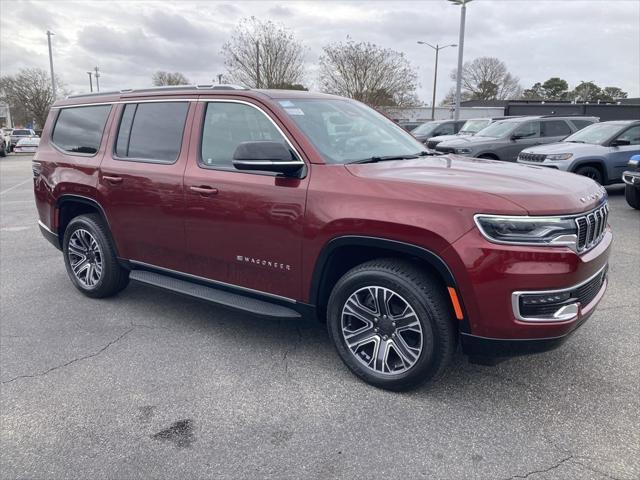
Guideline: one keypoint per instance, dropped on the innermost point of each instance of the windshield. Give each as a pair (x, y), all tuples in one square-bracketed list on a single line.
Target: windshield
[(595, 134), (497, 129), (426, 128), (344, 131), (21, 132), (474, 126)]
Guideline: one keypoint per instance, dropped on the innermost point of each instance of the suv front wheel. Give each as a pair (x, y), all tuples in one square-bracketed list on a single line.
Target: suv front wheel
[(391, 324), (90, 258)]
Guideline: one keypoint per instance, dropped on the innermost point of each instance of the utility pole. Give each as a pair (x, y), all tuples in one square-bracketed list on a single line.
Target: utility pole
[(53, 78), (90, 81), (463, 13), (257, 64), (437, 48), (220, 78), (97, 75)]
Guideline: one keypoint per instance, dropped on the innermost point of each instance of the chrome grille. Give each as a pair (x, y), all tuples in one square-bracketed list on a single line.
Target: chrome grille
[(532, 157), (591, 227)]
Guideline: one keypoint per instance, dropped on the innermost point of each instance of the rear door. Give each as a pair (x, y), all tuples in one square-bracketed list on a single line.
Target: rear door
[(242, 228), (619, 156), (140, 181)]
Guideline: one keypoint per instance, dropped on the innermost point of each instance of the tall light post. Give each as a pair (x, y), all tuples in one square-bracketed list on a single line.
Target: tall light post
[(463, 12), (437, 48), (53, 78), (90, 81), (97, 76)]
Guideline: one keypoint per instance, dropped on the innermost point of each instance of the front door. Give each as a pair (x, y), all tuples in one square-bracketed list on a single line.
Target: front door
[(244, 229), (526, 135), (140, 181), (619, 155)]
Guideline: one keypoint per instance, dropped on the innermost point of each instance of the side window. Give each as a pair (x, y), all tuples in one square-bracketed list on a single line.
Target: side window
[(79, 129), (555, 128), (528, 130), (226, 125), (151, 131), (580, 124), (632, 135), (445, 129)]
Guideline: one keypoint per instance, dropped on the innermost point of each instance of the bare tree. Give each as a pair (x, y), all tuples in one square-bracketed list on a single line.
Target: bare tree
[(366, 72), (161, 78), (28, 94), (487, 78), (263, 54)]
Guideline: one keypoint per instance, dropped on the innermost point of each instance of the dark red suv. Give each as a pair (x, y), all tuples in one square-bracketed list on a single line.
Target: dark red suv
[(293, 204)]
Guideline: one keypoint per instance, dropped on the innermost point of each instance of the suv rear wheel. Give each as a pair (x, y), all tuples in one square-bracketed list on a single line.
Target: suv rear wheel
[(391, 324), (592, 172), (90, 258)]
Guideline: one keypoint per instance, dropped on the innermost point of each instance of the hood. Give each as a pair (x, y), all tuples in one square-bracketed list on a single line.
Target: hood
[(578, 149), (445, 138), (537, 190), (464, 140)]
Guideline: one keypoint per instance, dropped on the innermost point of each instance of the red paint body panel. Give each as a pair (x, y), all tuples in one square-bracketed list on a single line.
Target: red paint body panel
[(267, 233)]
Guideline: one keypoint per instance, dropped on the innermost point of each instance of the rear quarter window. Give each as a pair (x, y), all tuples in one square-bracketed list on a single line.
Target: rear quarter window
[(580, 124), (79, 129)]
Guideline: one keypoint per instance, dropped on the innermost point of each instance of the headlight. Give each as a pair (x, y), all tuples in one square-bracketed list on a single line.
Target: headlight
[(556, 231), (559, 156), (463, 151)]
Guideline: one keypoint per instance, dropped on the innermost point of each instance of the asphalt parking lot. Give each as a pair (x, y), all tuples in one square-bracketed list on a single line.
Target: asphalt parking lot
[(151, 384)]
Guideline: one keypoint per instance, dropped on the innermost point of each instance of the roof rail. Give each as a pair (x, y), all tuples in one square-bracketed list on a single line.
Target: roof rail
[(567, 115), (166, 88)]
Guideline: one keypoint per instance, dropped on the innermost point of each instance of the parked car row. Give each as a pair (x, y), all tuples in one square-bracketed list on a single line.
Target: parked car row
[(19, 140)]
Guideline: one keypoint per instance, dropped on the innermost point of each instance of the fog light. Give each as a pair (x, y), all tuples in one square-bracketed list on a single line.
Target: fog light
[(545, 299)]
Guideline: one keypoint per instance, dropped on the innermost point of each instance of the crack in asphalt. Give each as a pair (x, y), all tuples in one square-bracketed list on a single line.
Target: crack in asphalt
[(75, 360), (553, 467)]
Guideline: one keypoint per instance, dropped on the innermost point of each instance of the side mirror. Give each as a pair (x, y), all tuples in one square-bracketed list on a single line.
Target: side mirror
[(515, 137), (619, 143), (266, 157)]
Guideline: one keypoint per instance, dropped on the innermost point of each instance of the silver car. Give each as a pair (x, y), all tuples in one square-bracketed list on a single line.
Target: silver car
[(600, 151), (505, 139), (470, 127)]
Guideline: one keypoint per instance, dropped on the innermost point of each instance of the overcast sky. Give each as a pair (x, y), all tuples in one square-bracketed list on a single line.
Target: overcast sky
[(594, 40)]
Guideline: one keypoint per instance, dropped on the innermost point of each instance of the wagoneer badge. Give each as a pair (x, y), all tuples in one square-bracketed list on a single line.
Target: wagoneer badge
[(263, 263), (594, 196)]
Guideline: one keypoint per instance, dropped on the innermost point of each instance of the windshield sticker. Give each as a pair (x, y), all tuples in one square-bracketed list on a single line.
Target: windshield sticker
[(286, 103), (294, 111)]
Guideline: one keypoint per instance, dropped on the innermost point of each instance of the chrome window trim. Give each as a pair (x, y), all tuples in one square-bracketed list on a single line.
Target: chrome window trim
[(515, 299), (212, 282), (301, 162)]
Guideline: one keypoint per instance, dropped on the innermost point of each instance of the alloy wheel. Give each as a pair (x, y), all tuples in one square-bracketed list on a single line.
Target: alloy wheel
[(381, 329), (85, 258)]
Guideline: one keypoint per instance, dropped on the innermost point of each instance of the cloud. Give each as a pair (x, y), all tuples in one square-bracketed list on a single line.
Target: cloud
[(577, 40)]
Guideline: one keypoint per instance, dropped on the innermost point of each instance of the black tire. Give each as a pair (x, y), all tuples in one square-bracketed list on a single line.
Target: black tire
[(3, 151), (632, 194), (424, 293), (591, 172), (113, 277)]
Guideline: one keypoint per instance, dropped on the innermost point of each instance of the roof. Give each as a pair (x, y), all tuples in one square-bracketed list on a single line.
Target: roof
[(185, 91)]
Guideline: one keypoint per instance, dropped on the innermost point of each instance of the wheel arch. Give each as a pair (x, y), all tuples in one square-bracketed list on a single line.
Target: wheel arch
[(70, 206), (598, 163), (343, 253)]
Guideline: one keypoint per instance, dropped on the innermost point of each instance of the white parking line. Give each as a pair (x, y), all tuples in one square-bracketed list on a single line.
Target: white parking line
[(15, 186)]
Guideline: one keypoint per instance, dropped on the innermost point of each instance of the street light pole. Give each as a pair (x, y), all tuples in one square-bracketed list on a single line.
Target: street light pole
[(53, 78), (97, 75), (90, 81), (437, 48), (463, 13)]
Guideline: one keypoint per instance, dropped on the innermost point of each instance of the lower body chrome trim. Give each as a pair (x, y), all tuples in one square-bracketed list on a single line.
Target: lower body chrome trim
[(211, 282)]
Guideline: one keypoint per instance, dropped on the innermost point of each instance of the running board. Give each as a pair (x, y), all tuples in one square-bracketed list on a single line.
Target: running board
[(214, 295)]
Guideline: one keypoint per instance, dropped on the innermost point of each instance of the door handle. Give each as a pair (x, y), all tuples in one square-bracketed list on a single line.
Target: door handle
[(204, 190), (113, 180)]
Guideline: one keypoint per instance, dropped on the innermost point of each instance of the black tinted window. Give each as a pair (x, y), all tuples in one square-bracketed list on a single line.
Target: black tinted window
[(555, 128), (528, 130), (445, 129), (226, 125), (79, 129), (580, 124), (152, 131)]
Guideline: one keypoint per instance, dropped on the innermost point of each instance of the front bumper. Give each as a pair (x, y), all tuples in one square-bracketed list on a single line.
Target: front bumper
[(631, 178), (490, 275)]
